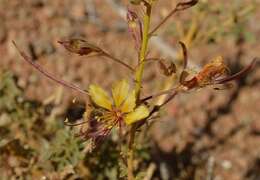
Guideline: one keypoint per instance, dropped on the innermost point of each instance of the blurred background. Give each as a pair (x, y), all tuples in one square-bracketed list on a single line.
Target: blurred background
[(206, 134)]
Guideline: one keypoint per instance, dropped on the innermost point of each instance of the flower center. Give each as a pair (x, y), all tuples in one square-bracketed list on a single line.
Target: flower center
[(110, 118), (118, 114)]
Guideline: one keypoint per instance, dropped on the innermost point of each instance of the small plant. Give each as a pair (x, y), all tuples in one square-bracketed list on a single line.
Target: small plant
[(125, 108)]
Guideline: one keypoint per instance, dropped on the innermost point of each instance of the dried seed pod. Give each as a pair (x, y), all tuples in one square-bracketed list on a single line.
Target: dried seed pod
[(185, 55), (185, 5), (134, 28), (215, 73), (212, 71), (167, 70), (183, 76), (239, 74), (80, 46), (208, 75)]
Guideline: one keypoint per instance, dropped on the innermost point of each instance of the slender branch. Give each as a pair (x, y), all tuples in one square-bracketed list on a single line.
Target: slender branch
[(85, 48), (156, 41), (184, 52), (159, 94), (105, 54), (39, 68), (178, 7), (169, 99), (158, 107), (152, 59)]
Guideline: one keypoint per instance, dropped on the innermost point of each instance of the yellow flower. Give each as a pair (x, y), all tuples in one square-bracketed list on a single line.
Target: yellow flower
[(122, 105)]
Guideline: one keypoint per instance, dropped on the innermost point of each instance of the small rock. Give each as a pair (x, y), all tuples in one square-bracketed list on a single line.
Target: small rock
[(38, 3), (3, 33), (41, 47), (226, 164), (255, 126), (5, 119)]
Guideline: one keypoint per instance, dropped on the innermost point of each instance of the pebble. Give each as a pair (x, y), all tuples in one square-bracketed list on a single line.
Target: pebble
[(3, 32), (226, 164)]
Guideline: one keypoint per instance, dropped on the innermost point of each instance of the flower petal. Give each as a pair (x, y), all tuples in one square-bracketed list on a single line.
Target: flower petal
[(120, 92), (129, 104), (139, 113), (100, 97)]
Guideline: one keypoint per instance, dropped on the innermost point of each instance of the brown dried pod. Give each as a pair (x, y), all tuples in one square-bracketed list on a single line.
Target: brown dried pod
[(134, 28), (215, 73), (212, 71), (185, 55), (167, 70), (80, 46), (239, 74), (183, 76), (208, 75), (184, 5)]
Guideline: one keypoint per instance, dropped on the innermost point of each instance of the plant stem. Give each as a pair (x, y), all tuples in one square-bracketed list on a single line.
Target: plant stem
[(163, 21), (130, 155), (140, 69), (138, 79), (179, 7), (117, 60)]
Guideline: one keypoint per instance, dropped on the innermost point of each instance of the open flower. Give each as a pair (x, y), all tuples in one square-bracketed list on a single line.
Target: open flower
[(116, 110)]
